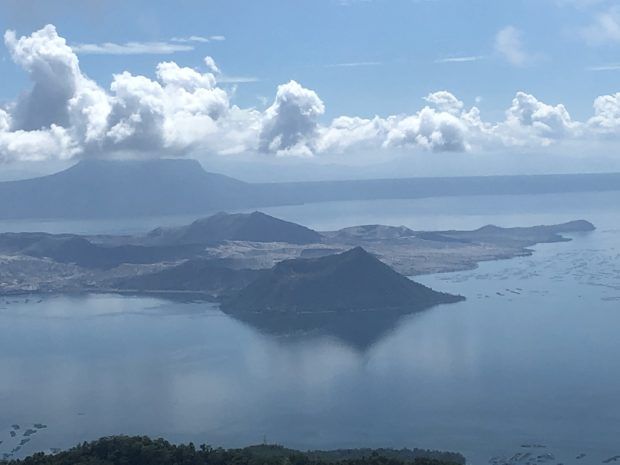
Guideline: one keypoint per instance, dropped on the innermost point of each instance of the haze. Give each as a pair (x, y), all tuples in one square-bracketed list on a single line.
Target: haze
[(328, 232)]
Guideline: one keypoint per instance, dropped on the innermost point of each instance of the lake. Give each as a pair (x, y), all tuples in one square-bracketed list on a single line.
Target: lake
[(530, 358)]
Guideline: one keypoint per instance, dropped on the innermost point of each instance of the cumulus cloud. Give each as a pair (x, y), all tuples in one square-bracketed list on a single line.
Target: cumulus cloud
[(63, 105), (438, 131), (184, 110), (55, 74), (509, 44), (37, 145), (445, 101), (606, 117), (211, 66), (174, 112), (290, 123), (545, 121), (70, 113)]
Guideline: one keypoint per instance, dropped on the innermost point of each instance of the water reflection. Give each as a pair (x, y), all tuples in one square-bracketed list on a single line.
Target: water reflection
[(359, 330), (529, 359)]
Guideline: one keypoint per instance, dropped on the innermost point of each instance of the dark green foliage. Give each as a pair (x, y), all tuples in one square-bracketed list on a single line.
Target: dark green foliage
[(123, 450)]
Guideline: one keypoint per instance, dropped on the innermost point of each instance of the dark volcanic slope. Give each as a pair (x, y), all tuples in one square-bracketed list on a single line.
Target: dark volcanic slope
[(197, 275), (255, 227), (67, 248), (354, 280)]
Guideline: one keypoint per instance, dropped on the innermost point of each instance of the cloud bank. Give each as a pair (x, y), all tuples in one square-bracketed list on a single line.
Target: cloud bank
[(65, 114)]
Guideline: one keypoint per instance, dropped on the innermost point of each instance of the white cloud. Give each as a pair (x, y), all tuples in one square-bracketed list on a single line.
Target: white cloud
[(604, 29), (131, 48), (67, 113), (5, 121), (183, 110), (211, 66), (37, 145), (606, 117), (445, 101), (546, 121), (175, 112), (61, 95), (460, 59), (608, 67), (509, 44), (433, 130), (347, 133), (200, 39), (290, 123)]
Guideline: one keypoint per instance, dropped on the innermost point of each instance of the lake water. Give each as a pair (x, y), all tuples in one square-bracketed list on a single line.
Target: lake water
[(531, 358)]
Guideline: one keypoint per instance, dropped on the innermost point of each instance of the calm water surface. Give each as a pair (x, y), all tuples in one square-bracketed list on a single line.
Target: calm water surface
[(531, 357)]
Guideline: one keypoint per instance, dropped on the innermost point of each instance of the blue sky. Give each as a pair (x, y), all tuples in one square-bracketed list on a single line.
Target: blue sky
[(361, 57), (276, 41)]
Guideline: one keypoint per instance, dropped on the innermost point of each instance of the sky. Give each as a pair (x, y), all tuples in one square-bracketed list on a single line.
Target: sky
[(304, 89)]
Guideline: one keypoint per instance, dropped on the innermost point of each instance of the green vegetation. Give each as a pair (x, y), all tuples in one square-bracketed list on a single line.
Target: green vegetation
[(123, 450)]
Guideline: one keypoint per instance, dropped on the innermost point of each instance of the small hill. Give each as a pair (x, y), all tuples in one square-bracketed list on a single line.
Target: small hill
[(82, 252), (254, 227), (351, 281), (371, 232), (522, 236), (196, 275)]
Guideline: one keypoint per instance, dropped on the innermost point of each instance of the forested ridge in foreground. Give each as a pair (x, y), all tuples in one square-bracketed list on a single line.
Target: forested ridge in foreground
[(124, 450)]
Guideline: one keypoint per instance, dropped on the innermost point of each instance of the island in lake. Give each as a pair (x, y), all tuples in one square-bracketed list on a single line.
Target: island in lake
[(255, 263), (283, 278), (351, 281)]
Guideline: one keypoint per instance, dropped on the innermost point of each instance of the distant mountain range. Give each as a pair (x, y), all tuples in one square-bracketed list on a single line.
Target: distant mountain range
[(350, 281), (161, 244), (254, 227), (111, 189), (116, 189)]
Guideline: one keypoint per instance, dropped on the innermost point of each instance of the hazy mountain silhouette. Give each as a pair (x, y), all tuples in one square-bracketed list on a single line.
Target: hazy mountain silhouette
[(255, 227), (68, 248), (115, 189), (98, 188)]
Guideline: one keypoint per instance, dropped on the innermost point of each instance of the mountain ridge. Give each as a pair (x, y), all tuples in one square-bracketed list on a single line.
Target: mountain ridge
[(254, 227), (99, 188)]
